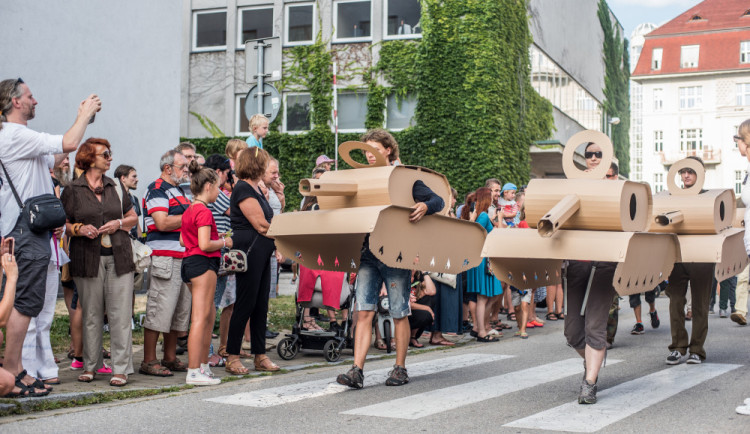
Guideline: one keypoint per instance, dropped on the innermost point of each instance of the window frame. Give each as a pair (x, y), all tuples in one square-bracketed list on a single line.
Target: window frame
[(744, 45), (697, 98), (362, 91), (658, 140), (684, 139), (240, 13), (387, 37), (742, 93), (658, 98), (336, 39), (237, 117), (738, 182), (286, 112), (656, 65), (658, 182), (414, 114), (684, 50), (194, 36), (288, 6)]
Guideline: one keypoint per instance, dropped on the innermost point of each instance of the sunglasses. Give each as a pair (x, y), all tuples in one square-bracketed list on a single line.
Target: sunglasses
[(591, 154), (611, 176), (107, 155)]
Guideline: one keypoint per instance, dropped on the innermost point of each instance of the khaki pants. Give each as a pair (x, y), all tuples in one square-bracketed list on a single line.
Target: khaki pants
[(116, 293), (741, 291), (700, 276)]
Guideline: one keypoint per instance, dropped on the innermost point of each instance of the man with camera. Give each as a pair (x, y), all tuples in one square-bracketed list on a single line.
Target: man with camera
[(27, 157)]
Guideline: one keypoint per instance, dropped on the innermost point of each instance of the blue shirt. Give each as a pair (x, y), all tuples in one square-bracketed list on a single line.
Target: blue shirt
[(252, 141)]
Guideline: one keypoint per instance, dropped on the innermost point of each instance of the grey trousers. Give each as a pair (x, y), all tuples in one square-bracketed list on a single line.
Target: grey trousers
[(115, 293)]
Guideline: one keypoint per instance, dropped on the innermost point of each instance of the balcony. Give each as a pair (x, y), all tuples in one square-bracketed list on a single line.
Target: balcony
[(709, 156)]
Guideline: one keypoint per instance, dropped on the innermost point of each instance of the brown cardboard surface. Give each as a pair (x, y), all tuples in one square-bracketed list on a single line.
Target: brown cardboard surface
[(571, 146), (686, 163), (604, 205), (739, 218), (643, 258), (436, 243), (332, 239), (707, 213), (726, 249)]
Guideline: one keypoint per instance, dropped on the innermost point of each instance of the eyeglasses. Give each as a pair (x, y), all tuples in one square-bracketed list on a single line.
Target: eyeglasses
[(107, 155), (180, 167), (591, 154), (736, 138)]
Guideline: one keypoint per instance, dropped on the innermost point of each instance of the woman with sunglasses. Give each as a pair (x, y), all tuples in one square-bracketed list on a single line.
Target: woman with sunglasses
[(101, 260)]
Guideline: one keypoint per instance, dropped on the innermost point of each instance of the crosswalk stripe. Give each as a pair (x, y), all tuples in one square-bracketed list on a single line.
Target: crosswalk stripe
[(623, 400), (440, 400), (317, 388)]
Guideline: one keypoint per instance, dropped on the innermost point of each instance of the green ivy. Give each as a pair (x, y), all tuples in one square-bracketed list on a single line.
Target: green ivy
[(398, 67), (616, 85), (310, 67)]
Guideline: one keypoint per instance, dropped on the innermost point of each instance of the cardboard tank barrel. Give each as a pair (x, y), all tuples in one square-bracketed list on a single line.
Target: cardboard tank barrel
[(588, 218), (376, 200)]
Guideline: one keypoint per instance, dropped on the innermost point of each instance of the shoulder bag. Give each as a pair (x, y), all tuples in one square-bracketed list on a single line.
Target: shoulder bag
[(141, 252), (235, 260), (45, 212)]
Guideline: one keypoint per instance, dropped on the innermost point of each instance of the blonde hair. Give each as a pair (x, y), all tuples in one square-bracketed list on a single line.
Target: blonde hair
[(256, 121), (234, 146), (744, 131)]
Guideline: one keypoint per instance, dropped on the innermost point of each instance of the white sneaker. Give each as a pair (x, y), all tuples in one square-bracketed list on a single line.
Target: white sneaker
[(197, 378), (694, 359), (747, 402), (743, 409), (206, 369)]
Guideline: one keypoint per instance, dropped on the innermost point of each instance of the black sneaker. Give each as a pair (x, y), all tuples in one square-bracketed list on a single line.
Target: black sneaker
[(637, 329), (674, 358), (655, 323), (353, 378), (694, 359), (588, 393), (397, 376)]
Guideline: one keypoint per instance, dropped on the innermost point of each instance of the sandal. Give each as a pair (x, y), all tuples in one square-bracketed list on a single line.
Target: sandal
[(512, 316), (522, 335), (502, 326), (310, 324), (551, 316), (174, 365), (263, 363), (28, 390), (86, 377), (380, 344), (487, 338), (55, 380), (216, 360), (560, 315), (118, 381), (223, 351), (444, 342), (235, 367), (37, 384), (151, 368), (415, 343)]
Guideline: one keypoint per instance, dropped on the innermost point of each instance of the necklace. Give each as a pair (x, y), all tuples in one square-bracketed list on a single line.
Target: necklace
[(204, 203), (98, 190)]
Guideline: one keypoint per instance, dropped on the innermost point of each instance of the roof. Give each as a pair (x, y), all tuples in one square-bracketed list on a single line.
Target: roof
[(717, 26)]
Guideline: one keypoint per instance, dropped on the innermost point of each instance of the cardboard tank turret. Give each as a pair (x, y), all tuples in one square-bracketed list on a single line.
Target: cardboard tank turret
[(376, 200), (587, 218), (705, 221)]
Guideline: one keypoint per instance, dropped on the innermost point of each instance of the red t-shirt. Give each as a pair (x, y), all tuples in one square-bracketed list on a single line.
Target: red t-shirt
[(196, 216)]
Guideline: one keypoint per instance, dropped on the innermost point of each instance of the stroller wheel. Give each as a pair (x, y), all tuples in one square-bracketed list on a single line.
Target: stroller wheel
[(331, 351), (287, 348)]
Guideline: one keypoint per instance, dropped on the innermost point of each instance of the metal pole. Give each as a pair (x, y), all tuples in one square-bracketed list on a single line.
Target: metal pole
[(335, 117), (260, 46), (588, 289)]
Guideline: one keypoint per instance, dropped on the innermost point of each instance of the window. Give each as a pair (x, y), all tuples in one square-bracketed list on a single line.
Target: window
[(656, 59), (658, 182), (689, 56), (400, 114), (403, 18), (743, 93), (209, 30), (690, 97), (691, 140), (738, 181), (745, 52), (352, 108), (300, 22), (297, 112), (352, 20), (658, 99), (242, 124), (254, 23), (658, 141)]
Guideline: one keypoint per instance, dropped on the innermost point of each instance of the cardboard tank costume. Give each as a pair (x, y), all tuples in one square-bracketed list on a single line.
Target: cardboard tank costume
[(376, 200), (585, 218)]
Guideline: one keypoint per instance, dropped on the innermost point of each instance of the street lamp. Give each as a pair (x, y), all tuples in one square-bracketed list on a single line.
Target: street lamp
[(611, 121)]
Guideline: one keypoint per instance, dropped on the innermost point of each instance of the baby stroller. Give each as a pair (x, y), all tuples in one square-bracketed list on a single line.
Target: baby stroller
[(330, 342)]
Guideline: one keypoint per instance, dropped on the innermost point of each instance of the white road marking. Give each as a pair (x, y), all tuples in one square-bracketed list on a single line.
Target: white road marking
[(623, 400), (317, 388), (440, 400)]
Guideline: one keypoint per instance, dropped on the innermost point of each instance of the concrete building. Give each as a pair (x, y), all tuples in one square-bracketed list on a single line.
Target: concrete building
[(694, 73), (567, 61), (637, 38)]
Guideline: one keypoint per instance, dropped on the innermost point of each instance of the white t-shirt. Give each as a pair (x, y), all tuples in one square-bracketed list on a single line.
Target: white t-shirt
[(28, 156)]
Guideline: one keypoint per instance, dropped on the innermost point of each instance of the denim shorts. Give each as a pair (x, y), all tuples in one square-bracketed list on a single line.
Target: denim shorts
[(372, 274)]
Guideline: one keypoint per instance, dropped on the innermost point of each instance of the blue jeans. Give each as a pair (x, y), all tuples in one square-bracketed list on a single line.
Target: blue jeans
[(372, 274)]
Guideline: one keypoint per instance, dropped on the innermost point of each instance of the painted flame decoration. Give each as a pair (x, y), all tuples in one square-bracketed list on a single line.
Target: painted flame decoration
[(320, 261)]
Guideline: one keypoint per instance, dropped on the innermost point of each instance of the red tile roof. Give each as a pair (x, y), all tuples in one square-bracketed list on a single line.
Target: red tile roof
[(723, 24)]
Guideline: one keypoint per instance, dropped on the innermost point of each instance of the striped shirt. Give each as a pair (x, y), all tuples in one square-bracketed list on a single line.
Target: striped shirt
[(165, 197), (219, 209)]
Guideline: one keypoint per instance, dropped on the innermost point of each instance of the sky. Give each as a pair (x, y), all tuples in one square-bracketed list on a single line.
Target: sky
[(631, 13)]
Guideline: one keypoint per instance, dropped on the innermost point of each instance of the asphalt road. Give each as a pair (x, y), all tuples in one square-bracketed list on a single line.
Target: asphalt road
[(515, 385)]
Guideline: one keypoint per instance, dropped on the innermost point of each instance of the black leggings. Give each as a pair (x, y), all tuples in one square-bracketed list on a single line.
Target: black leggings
[(252, 295)]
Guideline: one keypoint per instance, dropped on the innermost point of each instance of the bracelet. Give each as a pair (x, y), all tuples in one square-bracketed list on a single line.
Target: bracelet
[(224, 240), (76, 228), (120, 221)]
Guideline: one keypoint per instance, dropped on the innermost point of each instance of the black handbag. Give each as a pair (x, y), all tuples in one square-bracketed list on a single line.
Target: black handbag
[(45, 212)]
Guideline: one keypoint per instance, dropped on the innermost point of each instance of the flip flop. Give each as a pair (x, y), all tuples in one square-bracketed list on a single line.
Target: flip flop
[(444, 342), (487, 338), (417, 345)]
